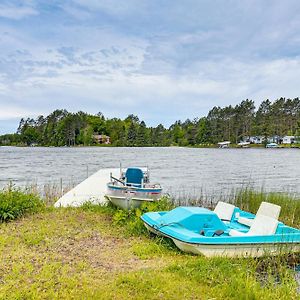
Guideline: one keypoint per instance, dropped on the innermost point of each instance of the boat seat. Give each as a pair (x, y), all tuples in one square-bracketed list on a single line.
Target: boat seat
[(262, 225), (224, 210), (134, 176), (267, 209)]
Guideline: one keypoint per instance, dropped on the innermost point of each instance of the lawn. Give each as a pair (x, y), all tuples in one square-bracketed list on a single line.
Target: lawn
[(88, 253)]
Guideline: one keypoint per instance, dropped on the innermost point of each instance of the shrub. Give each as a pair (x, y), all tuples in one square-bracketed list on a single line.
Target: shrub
[(132, 219), (15, 203)]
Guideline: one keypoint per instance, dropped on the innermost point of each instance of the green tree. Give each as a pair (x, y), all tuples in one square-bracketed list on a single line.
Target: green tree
[(143, 135), (30, 136)]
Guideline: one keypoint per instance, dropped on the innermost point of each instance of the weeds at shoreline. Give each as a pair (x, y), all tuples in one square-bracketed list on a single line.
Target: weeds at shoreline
[(250, 200), (131, 219), (15, 203)]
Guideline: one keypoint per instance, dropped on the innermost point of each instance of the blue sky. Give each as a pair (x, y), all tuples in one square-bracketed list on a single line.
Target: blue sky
[(163, 60)]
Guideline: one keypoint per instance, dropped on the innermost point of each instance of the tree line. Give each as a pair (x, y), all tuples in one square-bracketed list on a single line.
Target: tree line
[(233, 123)]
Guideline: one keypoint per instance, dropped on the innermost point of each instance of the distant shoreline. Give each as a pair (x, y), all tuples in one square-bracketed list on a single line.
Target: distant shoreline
[(207, 146)]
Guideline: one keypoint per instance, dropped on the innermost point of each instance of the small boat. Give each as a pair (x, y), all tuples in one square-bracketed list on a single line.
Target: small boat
[(272, 145), (132, 188), (243, 144), (224, 144), (222, 233)]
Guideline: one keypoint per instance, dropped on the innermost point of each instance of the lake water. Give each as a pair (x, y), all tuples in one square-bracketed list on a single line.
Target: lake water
[(183, 172)]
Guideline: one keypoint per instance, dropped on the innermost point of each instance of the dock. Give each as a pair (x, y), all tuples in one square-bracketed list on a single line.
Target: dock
[(91, 190)]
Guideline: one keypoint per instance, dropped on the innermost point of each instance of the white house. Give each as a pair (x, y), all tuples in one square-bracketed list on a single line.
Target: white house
[(256, 139), (274, 139), (101, 139), (260, 139), (288, 139)]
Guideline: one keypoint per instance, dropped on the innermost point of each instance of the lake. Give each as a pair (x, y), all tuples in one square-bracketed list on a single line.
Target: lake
[(183, 172)]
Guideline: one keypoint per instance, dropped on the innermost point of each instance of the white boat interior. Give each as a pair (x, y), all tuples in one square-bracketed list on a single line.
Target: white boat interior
[(266, 209), (261, 225)]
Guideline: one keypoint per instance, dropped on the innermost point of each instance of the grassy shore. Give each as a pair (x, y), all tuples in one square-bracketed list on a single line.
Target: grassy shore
[(97, 252)]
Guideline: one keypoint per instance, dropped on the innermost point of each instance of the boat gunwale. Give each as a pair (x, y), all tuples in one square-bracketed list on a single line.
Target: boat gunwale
[(133, 188), (232, 243), (131, 198)]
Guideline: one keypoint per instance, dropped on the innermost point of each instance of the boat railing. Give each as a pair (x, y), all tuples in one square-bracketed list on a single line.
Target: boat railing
[(145, 183), (126, 184), (116, 179)]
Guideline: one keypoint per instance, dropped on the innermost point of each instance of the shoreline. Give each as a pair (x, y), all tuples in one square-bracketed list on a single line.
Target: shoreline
[(206, 146)]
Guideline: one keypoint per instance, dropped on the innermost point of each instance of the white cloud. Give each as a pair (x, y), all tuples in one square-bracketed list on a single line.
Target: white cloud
[(8, 112), (15, 12), (76, 12), (175, 97), (113, 7)]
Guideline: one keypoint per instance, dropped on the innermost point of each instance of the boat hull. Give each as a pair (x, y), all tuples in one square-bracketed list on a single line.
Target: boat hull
[(227, 250), (153, 230), (131, 197), (237, 250), (127, 203)]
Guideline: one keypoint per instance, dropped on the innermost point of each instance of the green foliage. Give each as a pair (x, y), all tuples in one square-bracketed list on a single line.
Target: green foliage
[(132, 219), (10, 139), (15, 203)]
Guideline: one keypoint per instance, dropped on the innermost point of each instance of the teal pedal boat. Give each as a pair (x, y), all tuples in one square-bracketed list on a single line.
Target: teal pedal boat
[(201, 231)]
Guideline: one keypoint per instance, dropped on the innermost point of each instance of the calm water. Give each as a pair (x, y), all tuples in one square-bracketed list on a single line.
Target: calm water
[(183, 172)]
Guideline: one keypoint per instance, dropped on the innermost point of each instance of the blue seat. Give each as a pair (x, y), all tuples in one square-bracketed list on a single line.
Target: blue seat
[(134, 176)]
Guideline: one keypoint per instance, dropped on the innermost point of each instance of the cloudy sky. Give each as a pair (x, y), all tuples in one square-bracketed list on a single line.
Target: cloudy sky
[(160, 59)]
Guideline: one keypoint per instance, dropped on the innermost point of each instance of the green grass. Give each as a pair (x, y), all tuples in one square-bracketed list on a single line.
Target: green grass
[(15, 203), (96, 252), (130, 220)]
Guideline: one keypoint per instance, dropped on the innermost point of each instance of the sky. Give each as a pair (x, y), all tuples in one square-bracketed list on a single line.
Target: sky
[(163, 60)]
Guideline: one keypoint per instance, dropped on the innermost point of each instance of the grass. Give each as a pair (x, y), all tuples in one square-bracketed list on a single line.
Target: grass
[(15, 203), (96, 252)]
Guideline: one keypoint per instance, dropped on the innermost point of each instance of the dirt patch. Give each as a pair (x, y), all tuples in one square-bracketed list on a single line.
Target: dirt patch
[(109, 253)]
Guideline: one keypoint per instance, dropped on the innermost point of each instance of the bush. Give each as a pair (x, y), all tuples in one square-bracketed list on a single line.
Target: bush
[(15, 203), (132, 219)]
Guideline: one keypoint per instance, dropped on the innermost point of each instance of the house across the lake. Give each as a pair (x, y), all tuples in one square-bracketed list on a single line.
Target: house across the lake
[(256, 139), (274, 139), (101, 139), (288, 139)]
